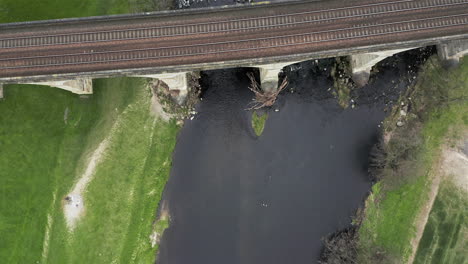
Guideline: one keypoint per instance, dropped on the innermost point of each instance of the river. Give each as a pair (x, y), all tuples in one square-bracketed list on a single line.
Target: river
[(235, 198)]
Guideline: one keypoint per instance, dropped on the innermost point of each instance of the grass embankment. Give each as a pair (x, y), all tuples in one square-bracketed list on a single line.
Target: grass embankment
[(122, 199), (42, 156), (445, 235), (438, 104), (258, 122), (46, 137), (27, 10), (36, 145)]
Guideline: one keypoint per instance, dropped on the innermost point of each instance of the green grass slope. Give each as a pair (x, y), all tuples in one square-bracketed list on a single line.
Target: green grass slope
[(46, 138), (445, 236), (122, 198), (440, 101), (33, 135), (27, 10), (42, 156)]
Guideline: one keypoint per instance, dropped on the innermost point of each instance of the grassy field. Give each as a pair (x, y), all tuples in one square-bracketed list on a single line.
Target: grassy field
[(42, 156), (445, 236), (46, 138), (122, 199), (389, 223), (27, 10), (36, 145), (391, 210)]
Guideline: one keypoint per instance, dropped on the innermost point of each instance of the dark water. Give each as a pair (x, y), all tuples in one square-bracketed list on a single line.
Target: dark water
[(235, 198)]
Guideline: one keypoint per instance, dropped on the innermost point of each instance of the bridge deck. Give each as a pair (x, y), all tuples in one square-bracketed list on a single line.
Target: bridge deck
[(217, 35)]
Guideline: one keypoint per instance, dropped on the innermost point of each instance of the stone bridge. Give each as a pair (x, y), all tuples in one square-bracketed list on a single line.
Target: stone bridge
[(69, 53)]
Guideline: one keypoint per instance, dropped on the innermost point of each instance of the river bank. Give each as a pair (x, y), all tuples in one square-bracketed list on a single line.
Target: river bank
[(431, 114)]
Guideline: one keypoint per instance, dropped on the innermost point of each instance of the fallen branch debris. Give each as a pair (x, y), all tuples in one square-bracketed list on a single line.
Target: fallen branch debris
[(264, 98)]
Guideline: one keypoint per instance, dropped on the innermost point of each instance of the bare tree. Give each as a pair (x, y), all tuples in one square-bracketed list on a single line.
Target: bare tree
[(340, 247), (264, 98)]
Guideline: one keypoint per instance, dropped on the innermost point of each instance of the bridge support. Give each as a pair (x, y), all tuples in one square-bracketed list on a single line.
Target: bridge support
[(452, 52), (175, 81), (361, 64), (269, 75), (77, 86), (1, 91)]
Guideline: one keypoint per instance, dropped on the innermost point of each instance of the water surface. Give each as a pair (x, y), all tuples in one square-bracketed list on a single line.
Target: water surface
[(241, 199)]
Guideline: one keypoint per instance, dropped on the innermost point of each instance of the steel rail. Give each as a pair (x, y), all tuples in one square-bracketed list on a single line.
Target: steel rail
[(221, 51), (212, 31), (234, 50), (232, 41), (238, 19), (241, 49)]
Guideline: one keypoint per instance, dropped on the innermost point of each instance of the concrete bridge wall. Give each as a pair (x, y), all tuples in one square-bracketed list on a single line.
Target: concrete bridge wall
[(453, 51)]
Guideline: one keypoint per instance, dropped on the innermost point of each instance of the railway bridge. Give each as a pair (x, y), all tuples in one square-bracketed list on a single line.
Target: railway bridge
[(69, 53)]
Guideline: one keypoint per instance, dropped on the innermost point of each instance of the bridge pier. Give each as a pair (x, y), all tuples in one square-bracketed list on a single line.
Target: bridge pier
[(269, 75), (175, 81), (1, 91), (76, 86), (453, 51), (361, 64)]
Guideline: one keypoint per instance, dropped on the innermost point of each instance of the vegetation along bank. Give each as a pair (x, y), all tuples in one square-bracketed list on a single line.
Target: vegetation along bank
[(416, 211)]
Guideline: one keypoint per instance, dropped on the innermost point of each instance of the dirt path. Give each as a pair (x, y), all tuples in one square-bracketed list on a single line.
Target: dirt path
[(74, 206), (156, 108), (453, 163), (456, 168)]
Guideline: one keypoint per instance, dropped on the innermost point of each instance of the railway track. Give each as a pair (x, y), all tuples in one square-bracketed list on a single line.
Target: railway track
[(229, 26), (384, 29), (31, 53)]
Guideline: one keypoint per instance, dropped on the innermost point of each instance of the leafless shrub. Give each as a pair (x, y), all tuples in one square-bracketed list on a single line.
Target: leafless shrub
[(377, 160), (263, 98), (340, 248)]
